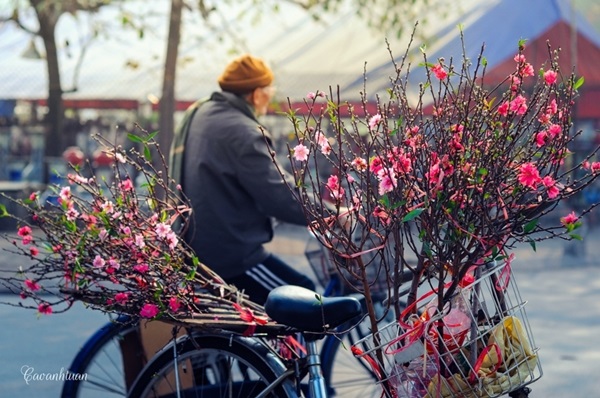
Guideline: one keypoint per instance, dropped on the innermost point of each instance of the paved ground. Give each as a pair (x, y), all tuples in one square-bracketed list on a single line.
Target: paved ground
[(564, 312)]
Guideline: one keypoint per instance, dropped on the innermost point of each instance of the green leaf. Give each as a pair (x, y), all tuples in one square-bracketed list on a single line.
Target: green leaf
[(576, 236), (135, 138), (191, 275), (579, 83), (3, 212), (530, 226), (484, 61), (385, 201), (412, 214), (532, 244), (147, 153)]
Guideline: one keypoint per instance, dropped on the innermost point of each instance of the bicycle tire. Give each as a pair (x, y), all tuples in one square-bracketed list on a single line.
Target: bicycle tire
[(100, 360), (214, 360), (345, 375)]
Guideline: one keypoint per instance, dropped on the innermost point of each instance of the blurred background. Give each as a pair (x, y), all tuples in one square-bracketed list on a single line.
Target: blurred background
[(72, 68)]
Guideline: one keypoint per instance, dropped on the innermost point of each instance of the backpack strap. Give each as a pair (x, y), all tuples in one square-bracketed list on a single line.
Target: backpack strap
[(178, 144)]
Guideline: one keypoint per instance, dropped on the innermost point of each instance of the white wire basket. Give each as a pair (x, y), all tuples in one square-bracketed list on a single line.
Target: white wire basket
[(479, 345)]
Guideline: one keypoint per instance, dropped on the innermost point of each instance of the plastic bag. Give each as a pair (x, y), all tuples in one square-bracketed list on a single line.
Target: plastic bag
[(507, 362)]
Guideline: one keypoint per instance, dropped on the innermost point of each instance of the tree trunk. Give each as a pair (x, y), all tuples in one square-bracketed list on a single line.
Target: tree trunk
[(167, 101), (54, 119)]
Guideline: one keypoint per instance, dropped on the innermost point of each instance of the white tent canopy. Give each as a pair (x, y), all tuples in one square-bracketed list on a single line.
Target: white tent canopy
[(306, 55)]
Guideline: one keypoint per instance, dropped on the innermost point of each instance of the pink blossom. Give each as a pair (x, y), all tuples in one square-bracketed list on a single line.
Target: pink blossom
[(65, 193), (519, 105), (595, 167), (374, 121), (519, 58), (334, 187), (552, 108), (121, 298), (174, 304), (527, 70), (120, 157), (107, 206), (139, 241), (554, 130), (113, 263), (529, 176), (149, 311), (359, 164), (172, 240), (127, 185), (551, 187), (439, 71), (503, 108), (103, 234), (320, 138), (34, 251), (515, 82), (540, 138), (434, 174), (24, 231), (45, 308), (311, 95), (141, 268), (550, 77), (76, 178), (569, 219), (33, 196), (411, 131), (403, 163), (162, 230), (326, 148), (72, 214), (31, 285), (301, 153), (98, 262), (387, 183), (27, 239), (376, 165)]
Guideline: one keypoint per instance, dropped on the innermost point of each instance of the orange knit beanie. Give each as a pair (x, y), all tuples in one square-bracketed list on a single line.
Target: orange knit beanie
[(245, 74)]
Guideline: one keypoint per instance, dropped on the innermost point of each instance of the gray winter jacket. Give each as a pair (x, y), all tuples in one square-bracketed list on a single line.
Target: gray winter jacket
[(233, 185)]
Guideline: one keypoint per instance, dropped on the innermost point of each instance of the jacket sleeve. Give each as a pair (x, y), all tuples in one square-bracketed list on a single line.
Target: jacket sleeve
[(263, 181)]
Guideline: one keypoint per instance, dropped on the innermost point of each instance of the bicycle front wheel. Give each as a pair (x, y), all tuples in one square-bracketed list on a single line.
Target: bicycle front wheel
[(98, 368), (213, 366)]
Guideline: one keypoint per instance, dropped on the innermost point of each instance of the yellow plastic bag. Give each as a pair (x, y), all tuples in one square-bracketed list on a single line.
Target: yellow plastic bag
[(517, 362), (508, 361)]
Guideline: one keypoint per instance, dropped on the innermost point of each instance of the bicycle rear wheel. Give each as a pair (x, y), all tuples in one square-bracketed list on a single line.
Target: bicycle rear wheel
[(99, 366), (213, 366)]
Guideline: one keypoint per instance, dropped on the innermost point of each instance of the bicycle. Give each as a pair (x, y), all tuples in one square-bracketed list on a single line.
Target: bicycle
[(101, 359), (227, 364)]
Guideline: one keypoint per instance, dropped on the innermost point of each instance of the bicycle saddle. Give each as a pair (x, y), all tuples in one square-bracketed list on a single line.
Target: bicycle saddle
[(309, 311)]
